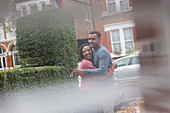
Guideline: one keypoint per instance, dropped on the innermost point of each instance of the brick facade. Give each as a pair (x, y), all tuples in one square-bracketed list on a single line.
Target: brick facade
[(102, 18)]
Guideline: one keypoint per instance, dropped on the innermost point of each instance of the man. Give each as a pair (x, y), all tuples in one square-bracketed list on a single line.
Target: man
[(102, 61)]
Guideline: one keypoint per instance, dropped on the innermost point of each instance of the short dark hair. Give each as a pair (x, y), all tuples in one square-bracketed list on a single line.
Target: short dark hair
[(96, 32), (81, 53)]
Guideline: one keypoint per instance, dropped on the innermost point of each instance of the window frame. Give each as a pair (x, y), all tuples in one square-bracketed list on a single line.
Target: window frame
[(2, 58), (120, 26), (31, 11), (116, 42), (132, 39), (117, 6), (13, 52)]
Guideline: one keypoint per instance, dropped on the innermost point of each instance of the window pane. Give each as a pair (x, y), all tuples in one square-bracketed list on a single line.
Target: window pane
[(124, 5), (128, 34), (112, 7), (2, 50), (34, 9), (129, 45), (116, 46), (123, 62), (16, 59), (135, 60), (24, 11), (43, 7), (4, 63), (14, 48), (110, 0), (115, 36)]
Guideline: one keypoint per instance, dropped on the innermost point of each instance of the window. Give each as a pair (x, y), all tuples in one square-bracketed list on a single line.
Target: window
[(117, 5), (2, 59), (43, 7), (24, 12), (123, 62), (111, 5), (122, 41), (135, 60), (33, 9), (128, 39), (116, 40), (124, 5), (2, 50), (15, 56)]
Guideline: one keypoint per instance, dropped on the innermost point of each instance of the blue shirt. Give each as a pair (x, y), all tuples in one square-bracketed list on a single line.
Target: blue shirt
[(102, 61)]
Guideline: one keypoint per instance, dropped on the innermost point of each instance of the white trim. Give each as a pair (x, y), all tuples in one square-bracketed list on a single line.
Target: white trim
[(7, 40), (120, 26), (115, 26), (4, 47), (2, 63), (10, 44)]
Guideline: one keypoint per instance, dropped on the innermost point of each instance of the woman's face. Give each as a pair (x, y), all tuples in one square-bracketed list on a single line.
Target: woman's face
[(87, 52)]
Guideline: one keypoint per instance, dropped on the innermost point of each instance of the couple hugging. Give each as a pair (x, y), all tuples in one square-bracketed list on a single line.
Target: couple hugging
[(96, 68)]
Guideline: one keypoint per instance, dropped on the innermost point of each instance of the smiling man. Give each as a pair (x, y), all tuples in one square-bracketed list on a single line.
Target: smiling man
[(102, 61), (102, 57)]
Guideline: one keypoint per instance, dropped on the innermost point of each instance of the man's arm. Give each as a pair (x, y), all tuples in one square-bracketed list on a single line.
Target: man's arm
[(104, 60)]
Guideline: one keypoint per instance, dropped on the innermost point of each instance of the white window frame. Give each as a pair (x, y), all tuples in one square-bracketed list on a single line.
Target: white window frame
[(34, 11), (3, 54), (118, 7), (24, 13), (13, 58), (42, 6), (117, 42), (120, 26), (13, 52), (131, 35)]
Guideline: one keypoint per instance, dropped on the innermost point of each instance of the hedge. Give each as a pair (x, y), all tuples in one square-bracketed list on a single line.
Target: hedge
[(23, 78), (47, 38)]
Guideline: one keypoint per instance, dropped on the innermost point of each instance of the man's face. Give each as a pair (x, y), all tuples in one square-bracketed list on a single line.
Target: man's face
[(94, 41)]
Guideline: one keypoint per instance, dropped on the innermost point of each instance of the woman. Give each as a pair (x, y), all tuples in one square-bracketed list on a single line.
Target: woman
[(90, 83)]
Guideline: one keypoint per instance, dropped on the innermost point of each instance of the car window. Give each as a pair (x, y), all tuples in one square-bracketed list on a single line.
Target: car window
[(135, 60), (123, 62)]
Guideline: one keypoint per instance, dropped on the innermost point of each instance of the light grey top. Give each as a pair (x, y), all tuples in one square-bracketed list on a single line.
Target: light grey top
[(102, 61)]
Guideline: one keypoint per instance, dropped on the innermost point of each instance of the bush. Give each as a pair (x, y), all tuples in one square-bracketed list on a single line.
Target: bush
[(47, 38), (20, 79)]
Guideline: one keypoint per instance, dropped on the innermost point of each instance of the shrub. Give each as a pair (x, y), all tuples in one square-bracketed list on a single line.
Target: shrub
[(47, 38), (30, 77)]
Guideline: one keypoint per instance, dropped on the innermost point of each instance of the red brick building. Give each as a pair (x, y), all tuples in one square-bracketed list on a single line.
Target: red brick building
[(8, 52), (114, 19)]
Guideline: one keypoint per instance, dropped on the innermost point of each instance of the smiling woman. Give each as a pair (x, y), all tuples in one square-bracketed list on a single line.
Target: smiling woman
[(89, 83)]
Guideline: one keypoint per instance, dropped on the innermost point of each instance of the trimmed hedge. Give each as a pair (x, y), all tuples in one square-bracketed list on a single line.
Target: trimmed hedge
[(47, 38), (22, 78)]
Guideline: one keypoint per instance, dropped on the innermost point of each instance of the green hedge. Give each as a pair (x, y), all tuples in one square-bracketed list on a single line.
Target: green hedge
[(22, 78), (47, 38)]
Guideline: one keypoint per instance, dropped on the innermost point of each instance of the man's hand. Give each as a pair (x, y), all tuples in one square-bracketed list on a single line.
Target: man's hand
[(78, 72)]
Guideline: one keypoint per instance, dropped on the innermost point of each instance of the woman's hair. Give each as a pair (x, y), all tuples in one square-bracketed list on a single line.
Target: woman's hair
[(81, 53)]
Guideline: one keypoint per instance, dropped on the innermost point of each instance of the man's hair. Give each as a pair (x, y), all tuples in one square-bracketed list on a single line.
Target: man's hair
[(97, 33)]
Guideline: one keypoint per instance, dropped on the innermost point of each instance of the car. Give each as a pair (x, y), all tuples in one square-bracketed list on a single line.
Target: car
[(127, 67)]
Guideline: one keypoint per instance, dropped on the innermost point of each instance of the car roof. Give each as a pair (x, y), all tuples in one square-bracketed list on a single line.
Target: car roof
[(125, 57)]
